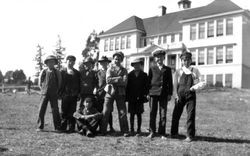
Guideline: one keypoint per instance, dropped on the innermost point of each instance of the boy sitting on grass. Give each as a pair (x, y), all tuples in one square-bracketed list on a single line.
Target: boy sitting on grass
[(87, 118)]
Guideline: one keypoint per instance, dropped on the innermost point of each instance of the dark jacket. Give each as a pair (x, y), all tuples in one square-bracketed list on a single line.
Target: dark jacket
[(70, 83), (88, 81), (137, 87), (160, 81)]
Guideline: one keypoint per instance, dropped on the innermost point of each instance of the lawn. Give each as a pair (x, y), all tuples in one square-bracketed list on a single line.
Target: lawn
[(222, 128)]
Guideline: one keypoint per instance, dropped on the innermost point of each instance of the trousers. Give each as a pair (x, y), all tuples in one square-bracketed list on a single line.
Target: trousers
[(55, 111), (153, 104), (122, 112)]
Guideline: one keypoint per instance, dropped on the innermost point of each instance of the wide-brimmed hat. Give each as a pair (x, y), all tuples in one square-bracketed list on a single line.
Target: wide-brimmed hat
[(50, 57), (71, 57), (186, 54), (136, 60), (118, 54), (104, 59), (159, 52), (88, 59)]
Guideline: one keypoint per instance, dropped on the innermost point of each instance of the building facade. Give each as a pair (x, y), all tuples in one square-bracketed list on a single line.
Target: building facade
[(217, 35)]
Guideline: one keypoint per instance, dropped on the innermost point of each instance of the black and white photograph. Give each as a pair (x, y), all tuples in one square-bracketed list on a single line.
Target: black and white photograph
[(125, 78)]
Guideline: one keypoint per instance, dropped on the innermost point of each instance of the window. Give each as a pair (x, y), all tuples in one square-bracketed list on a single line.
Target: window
[(210, 30), (128, 46), (219, 27), (117, 43), (172, 38), (193, 52), (123, 42), (201, 30), (193, 32), (159, 40), (218, 79), (229, 54), (210, 56), (210, 80), (111, 45), (229, 26), (219, 55), (165, 39), (180, 37), (106, 44), (201, 57), (228, 80)]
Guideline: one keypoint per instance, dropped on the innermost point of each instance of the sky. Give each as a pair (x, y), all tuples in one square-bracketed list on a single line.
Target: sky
[(26, 23)]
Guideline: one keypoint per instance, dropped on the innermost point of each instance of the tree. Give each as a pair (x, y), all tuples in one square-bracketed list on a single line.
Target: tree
[(1, 77), (91, 48), (9, 76), (59, 52), (19, 77), (39, 62)]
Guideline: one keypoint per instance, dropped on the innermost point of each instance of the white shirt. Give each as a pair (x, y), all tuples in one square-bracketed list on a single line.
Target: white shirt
[(198, 84)]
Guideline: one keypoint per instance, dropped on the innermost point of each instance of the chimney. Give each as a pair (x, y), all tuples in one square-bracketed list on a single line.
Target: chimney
[(163, 10), (184, 4)]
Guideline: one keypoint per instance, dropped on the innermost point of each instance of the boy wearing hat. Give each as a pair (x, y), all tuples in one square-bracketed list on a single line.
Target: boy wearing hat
[(100, 92), (136, 93), (116, 78), (160, 92), (88, 79), (69, 92), (49, 82), (186, 82)]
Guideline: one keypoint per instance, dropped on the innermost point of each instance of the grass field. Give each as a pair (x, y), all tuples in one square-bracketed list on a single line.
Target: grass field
[(222, 124)]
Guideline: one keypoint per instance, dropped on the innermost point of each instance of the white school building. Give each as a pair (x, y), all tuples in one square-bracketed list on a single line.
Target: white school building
[(218, 35)]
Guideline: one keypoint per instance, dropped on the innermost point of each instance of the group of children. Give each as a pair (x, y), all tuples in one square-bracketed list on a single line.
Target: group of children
[(98, 90)]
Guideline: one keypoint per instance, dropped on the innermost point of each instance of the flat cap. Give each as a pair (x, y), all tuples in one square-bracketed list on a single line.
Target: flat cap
[(159, 52), (119, 53)]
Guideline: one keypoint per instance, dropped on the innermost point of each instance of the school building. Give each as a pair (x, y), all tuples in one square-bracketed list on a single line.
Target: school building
[(217, 35)]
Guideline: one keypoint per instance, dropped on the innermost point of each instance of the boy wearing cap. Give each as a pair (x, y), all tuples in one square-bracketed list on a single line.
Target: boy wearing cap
[(186, 82), (160, 92), (69, 93), (49, 82), (116, 78), (100, 92), (136, 93), (88, 79)]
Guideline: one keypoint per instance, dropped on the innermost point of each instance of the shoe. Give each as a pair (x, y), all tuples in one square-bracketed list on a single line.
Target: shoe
[(126, 134), (70, 131), (112, 130), (188, 139), (39, 130), (89, 134), (151, 135), (81, 132), (174, 136), (163, 137)]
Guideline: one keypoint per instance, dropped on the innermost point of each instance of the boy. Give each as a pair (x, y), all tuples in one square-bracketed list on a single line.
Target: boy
[(185, 84), (87, 118), (100, 92), (136, 93), (116, 78), (88, 79), (69, 92), (160, 92), (49, 82)]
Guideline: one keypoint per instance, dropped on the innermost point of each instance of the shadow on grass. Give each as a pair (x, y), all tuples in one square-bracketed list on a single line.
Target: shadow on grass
[(222, 140), (10, 128), (3, 149)]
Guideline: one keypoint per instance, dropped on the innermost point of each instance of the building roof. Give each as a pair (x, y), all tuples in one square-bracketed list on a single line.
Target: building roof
[(169, 23), (131, 23)]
